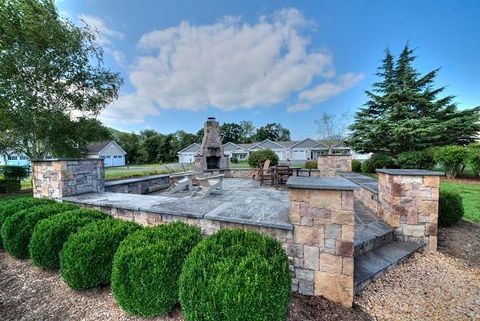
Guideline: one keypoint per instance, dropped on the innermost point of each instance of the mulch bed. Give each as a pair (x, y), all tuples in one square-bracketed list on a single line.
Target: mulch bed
[(439, 286)]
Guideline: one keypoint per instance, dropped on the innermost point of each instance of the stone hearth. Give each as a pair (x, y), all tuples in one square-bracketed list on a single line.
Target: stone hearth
[(211, 156)]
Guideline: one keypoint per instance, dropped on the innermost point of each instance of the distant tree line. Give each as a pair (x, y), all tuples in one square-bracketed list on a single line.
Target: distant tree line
[(151, 146)]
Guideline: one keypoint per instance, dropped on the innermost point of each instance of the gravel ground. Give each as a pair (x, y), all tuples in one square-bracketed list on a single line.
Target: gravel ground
[(431, 286), (440, 286)]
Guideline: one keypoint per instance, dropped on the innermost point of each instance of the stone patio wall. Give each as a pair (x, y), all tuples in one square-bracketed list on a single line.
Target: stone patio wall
[(323, 237), (329, 165), (368, 198), (409, 203), (142, 185), (57, 178)]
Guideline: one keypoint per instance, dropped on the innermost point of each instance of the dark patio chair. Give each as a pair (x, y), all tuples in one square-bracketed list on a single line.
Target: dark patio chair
[(282, 172)]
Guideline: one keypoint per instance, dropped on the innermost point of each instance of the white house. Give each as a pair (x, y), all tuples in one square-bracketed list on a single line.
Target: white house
[(307, 149), (109, 151), (14, 159)]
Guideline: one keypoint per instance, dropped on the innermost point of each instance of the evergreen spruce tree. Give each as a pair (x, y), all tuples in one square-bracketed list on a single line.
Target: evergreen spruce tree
[(404, 112)]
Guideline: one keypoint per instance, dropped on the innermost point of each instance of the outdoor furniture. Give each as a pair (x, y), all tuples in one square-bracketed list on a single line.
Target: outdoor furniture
[(208, 185), (181, 181), (265, 173), (282, 173)]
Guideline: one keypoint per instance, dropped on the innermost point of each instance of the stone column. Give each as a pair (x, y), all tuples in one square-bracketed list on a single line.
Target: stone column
[(409, 203), (57, 178), (329, 165), (321, 211)]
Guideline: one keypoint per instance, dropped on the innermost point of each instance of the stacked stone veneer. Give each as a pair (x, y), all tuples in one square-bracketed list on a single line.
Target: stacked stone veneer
[(322, 249), (408, 202), (329, 165), (58, 178)]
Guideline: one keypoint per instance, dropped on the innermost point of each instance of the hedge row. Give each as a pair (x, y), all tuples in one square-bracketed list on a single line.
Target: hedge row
[(18, 228), (50, 234), (232, 275)]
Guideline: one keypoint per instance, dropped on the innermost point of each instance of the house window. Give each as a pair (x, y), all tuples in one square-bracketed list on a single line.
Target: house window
[(23, 158), (108, 156), (12, 157)]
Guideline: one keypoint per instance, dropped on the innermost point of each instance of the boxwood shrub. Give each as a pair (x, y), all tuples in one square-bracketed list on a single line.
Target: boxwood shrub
[(86, 257), (14, 205), (356, 166), (450, 208), (18, 229), (235, 275), (147, 265), (50, 234)]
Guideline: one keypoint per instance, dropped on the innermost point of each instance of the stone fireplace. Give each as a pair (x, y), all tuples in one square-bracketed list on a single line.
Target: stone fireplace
[(211, 156)]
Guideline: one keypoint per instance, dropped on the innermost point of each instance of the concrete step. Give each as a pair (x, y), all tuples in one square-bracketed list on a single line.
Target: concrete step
[(372, 264), (370, 232)]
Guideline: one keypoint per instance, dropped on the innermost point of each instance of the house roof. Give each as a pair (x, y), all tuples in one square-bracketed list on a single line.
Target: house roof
[(306, 143), (192, 148), (95, 148)]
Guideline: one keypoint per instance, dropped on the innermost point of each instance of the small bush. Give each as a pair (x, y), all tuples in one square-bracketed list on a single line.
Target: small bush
[(311, 165), (234, 159), (473, 158), (14, 205), (10, 185), (452, 159), (450, 208), (235, 275), (50, 234), (356, 166), (86, 257), (378, 161), (18, 229), (147, 265), (14, 172), (416, 159), (258, 158)]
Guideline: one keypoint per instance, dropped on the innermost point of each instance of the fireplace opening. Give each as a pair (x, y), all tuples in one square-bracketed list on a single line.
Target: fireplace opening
[(213, 162)]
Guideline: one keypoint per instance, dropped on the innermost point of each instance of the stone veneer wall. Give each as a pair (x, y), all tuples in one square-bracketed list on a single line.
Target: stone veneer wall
[(323, 237), (329, 165), (58, 178), (368, 198), (143, 185), (409, 203)]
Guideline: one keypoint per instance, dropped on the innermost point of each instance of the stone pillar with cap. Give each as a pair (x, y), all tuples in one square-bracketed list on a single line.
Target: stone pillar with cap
[(409, 203), (321, 211)]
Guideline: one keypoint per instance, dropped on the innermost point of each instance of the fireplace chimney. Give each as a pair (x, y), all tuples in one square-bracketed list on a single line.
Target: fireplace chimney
[(211, 154)]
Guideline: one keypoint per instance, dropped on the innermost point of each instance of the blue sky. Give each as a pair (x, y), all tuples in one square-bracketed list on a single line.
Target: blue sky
[(270, 61)]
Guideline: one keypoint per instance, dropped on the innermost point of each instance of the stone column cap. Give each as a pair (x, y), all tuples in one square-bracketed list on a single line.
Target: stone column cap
[(323, 183), (410, 172)]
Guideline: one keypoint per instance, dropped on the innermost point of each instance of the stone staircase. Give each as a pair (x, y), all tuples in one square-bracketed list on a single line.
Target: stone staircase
[(376, 250)]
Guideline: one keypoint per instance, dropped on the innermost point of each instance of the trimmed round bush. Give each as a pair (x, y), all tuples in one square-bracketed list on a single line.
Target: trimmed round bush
[(356, 166), (378, 161), (18, 229), (235, 275), (15, 205), (50, 234), (416, 159), (86, 257), (450, 208), (258, 158), (147, 265)]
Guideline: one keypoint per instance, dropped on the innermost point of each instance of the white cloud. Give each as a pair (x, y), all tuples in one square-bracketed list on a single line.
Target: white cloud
[(105, 34), (324, 91), (128, 109), (228, 65)]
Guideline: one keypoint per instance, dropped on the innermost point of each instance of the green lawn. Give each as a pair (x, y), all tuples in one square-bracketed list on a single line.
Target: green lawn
[(114, 173), (471, 198)]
